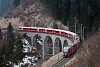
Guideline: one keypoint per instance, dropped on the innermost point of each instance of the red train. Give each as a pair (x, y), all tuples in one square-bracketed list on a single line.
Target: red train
[(70, 49), (67, 50), (48, 30)]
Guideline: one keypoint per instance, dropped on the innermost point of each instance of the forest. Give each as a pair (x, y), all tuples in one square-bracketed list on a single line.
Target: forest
[(81, 12)]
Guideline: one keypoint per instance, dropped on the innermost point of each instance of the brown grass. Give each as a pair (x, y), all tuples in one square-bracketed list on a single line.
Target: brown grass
[(89, 55)]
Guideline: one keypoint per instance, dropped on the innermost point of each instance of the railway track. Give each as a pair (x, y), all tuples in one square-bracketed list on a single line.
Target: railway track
[(63, 61), (60, 62)]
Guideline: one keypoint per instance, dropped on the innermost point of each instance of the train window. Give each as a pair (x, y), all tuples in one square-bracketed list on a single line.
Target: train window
[(41, 30), (34, 30), (50, 31), (20, 28), (56, 32), (62, 33), (66, 34), (26, 29)]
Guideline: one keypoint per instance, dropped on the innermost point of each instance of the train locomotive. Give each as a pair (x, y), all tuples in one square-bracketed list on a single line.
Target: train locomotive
[(70, 49)]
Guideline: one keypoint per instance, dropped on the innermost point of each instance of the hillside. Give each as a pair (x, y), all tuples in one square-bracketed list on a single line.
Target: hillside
[(29, 13), (89, 54), (26, 13)]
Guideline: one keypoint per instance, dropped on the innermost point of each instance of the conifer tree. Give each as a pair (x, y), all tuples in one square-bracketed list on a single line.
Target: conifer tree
[(18, 50), (10, 28), (11, 46), (10, 35)]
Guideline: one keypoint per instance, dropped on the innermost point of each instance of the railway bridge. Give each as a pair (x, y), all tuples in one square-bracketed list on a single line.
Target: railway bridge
[(51, 40)]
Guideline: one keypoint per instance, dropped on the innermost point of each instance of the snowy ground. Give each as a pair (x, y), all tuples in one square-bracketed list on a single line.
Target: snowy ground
[(29, 60)]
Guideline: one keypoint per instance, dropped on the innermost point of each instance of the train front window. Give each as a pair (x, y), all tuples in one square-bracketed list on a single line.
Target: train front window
[(65, 49)]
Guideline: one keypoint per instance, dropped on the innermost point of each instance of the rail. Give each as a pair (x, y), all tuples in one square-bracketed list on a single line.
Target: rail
[(59, 62)]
